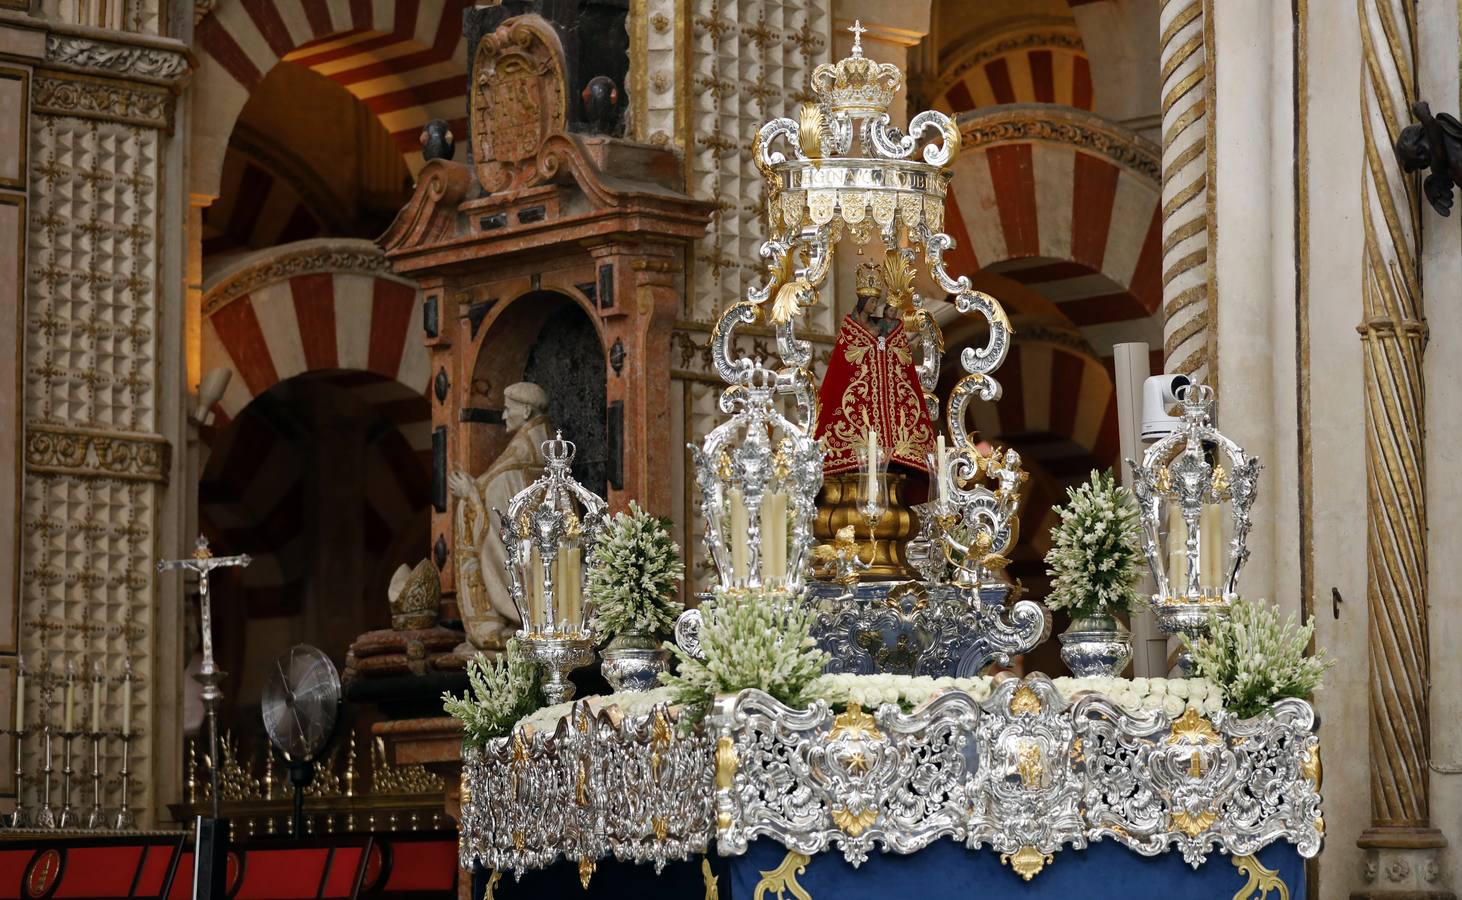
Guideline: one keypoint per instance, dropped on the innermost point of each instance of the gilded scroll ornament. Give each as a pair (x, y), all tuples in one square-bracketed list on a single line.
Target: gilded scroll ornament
[(782, 880), (1261, 881)]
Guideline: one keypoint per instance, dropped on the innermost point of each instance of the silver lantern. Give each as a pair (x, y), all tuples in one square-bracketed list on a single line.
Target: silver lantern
[(549, 531), (1195, 488)]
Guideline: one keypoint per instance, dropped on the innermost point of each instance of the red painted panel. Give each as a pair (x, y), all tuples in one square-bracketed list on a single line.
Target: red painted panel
[(238, 329), (12, 870), (220, 45), (1094, 188), (344, 867), (961, 259), (1081, 83), (183, 881), (391, 306), (282, 874), (98, 872), (422, 866), (1013, 174), (1043, 78), (154, 873), (314, 309), (271, 26), (959, 98), (998, 72), (1147, 277)]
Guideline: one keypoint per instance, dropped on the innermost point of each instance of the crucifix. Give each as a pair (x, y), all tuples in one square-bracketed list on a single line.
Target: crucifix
[(858, 31), (209, 675)]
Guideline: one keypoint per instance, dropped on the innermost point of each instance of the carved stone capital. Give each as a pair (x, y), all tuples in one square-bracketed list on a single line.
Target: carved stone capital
[(122, 60), (306, 257)]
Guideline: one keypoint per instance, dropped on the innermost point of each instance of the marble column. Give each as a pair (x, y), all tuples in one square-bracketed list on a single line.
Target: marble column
[(1402, 845)]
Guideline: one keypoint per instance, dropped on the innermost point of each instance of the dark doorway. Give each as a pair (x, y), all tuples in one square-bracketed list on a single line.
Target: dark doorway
[(567, 361)]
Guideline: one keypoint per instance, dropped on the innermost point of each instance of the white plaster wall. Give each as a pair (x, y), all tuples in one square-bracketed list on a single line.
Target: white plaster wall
[(1337, 430)]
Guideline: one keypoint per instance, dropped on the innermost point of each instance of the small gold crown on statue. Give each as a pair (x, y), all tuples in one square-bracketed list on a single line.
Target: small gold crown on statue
[(414, 596), (870, 280), (857, 85)]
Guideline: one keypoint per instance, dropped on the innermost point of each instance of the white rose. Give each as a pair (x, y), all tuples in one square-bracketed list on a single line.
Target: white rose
[(1213, 704), (1125, 699), (1172, 706), (1152, 701), (1178, 687), (1139, 685), (1158, 686)]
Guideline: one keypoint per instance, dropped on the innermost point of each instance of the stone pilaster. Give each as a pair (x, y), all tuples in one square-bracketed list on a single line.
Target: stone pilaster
[(1401, 843)]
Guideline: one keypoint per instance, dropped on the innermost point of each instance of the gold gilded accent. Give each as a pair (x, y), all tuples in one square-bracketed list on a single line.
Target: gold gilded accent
[(1028, 764), (1220, 479), (661, 826), (854, 824), (1195, 765), (1311, 768), (854, 722), (1193, 824), (857, 762), (518, 843), (1027, 861), (520, 747), (783, 879), (898, 279), (492, 881), (723, 820), (1025, 702), (1261, 880), (586, 871), (709, 879), (1192, 728), (1164, 480), (725, 762), (581, 793), (809, 130)]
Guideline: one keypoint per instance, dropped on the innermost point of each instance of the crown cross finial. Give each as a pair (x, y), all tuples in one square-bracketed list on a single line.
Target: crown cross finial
[(858, 30)]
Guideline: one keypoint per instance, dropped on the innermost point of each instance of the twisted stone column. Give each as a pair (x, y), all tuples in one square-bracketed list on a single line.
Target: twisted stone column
[(1185, 47), (1401, 843)]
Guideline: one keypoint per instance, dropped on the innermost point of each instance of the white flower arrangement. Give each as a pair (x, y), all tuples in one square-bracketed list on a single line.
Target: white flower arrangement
[(627, 704), (1256, 659), (1095, 560), (750, 639), (502, 691), (634, 572)]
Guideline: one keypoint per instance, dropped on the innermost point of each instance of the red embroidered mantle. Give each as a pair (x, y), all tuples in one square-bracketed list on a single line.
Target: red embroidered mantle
[(872, 386)]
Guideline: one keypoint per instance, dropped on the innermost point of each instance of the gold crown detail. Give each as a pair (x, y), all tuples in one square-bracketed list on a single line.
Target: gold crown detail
[(870, 280), (857, 85)]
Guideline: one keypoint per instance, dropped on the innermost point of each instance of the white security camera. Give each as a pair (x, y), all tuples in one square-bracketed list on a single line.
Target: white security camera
[(1160, 393), (210, 391)]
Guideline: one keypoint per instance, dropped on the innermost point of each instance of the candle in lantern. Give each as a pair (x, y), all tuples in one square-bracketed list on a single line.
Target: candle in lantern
[(1177, 551), (773, 536), (19, 694), (740, 548), (1210, 555), (127, 698), (568, 578), (871, 491), (535, 592), (941, 477)]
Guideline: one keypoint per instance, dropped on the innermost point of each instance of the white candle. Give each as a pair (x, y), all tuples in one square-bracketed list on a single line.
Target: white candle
[(773, 536), (96, 697), (872, 488), (127, 700), (941, 477), (20, 695), (535, 592), (70, 699), (740, 548), (1210, 558), (1177, 552), (566, 584)]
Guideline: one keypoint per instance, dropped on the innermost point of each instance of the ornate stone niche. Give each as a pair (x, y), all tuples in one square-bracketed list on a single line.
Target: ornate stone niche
[(544, 221)]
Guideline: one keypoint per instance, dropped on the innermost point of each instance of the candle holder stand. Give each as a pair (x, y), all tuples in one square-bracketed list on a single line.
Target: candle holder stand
[(96, 818), (21, 817), (69, 817), (125, 820), (45, 816)]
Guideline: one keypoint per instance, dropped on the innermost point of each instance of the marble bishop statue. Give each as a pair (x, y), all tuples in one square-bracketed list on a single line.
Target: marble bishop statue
[(483, 594)]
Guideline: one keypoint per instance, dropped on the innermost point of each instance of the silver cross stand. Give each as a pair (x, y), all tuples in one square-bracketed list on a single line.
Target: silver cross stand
[(210, 859)]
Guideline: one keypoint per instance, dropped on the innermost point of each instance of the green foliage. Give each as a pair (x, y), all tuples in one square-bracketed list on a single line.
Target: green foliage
[(503, 690), (634, 572), (753, 639), (1095, 559), (1255, 659)]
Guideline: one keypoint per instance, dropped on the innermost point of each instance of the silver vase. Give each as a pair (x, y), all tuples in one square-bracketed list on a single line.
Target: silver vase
[(1096, 645), (633, 663)]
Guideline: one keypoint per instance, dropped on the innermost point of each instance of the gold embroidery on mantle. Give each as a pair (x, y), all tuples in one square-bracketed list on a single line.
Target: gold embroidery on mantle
[(882, 396)]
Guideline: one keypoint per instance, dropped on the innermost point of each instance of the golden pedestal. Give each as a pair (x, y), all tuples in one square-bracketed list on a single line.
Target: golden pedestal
[(838, 506)]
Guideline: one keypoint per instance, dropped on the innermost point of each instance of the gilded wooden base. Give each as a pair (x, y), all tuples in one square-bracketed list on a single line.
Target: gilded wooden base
[(838, 506)]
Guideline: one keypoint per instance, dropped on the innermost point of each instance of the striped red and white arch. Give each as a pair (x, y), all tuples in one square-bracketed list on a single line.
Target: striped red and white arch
[(405, 59)]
